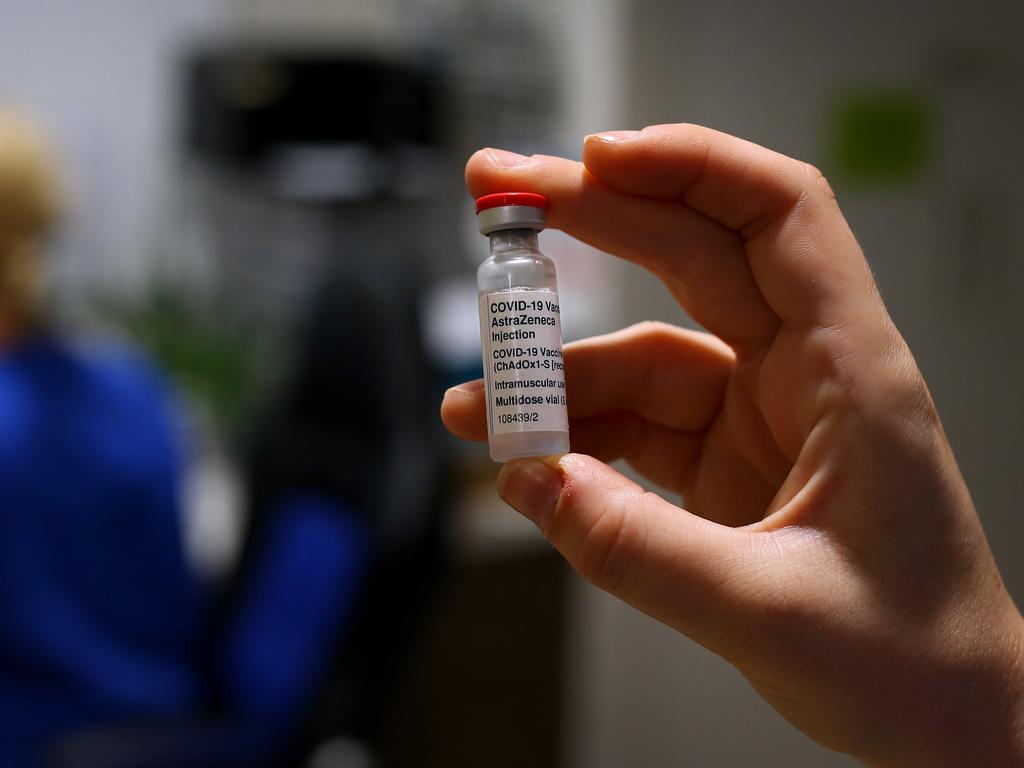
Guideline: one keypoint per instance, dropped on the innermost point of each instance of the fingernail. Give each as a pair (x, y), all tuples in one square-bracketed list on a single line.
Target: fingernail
[(505, 159), (532, 488), (468, 388), (611, 137)]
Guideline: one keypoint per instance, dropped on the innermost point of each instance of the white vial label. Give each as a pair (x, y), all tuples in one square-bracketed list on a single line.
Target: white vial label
[(521, 337)]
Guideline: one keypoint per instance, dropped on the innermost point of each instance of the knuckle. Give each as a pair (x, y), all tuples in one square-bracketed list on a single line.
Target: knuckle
[(654, 330), (817, 183), (905, 390), (899, 383), (872, 369)]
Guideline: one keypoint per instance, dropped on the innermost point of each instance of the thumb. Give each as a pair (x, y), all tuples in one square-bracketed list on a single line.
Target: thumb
[(679, 568)]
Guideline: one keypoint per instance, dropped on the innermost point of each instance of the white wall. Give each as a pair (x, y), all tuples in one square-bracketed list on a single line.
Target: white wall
[(100, 76)]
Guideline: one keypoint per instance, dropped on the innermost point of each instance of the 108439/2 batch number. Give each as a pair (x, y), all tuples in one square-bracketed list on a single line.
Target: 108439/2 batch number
[(515, 418)]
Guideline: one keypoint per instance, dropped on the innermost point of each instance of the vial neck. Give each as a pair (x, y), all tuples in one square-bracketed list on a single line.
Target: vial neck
[(507, 241)]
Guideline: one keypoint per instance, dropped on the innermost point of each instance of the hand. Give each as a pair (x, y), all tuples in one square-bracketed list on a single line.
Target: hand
[(830, 549)]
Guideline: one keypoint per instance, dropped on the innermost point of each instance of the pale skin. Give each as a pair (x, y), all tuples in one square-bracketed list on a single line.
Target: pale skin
[(829, 547)]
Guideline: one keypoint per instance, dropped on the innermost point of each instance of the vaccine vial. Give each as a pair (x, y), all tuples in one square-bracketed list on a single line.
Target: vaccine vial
[(520, 331)]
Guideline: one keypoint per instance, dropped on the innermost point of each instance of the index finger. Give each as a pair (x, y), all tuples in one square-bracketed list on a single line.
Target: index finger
[(801, 252), (743, 236)]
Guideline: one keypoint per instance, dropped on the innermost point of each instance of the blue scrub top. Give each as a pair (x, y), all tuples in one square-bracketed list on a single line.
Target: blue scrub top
[(98, 610)]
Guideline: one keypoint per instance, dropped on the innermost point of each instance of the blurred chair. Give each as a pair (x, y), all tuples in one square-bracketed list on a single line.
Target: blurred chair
[(353, 430), (321, 168)]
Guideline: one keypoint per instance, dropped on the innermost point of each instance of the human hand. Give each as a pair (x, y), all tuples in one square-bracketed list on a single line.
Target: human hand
[(829, 548)]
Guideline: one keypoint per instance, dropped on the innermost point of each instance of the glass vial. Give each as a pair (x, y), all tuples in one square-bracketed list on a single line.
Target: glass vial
[(520, 331)]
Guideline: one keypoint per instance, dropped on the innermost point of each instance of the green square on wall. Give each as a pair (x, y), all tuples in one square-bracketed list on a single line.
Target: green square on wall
[(879, 136)]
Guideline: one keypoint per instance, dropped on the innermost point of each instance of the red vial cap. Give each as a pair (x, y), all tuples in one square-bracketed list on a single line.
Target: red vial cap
[(499, 199)]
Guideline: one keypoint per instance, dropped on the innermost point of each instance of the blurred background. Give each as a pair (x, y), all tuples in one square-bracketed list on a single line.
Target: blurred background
[(232, 531)]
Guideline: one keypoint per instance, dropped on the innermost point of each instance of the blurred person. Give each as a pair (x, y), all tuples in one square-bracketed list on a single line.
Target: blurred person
[(100, 612), (29, 203), (830, 549)]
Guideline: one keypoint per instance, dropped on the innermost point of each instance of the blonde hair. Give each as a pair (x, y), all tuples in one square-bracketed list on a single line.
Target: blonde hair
[(29, 207)]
